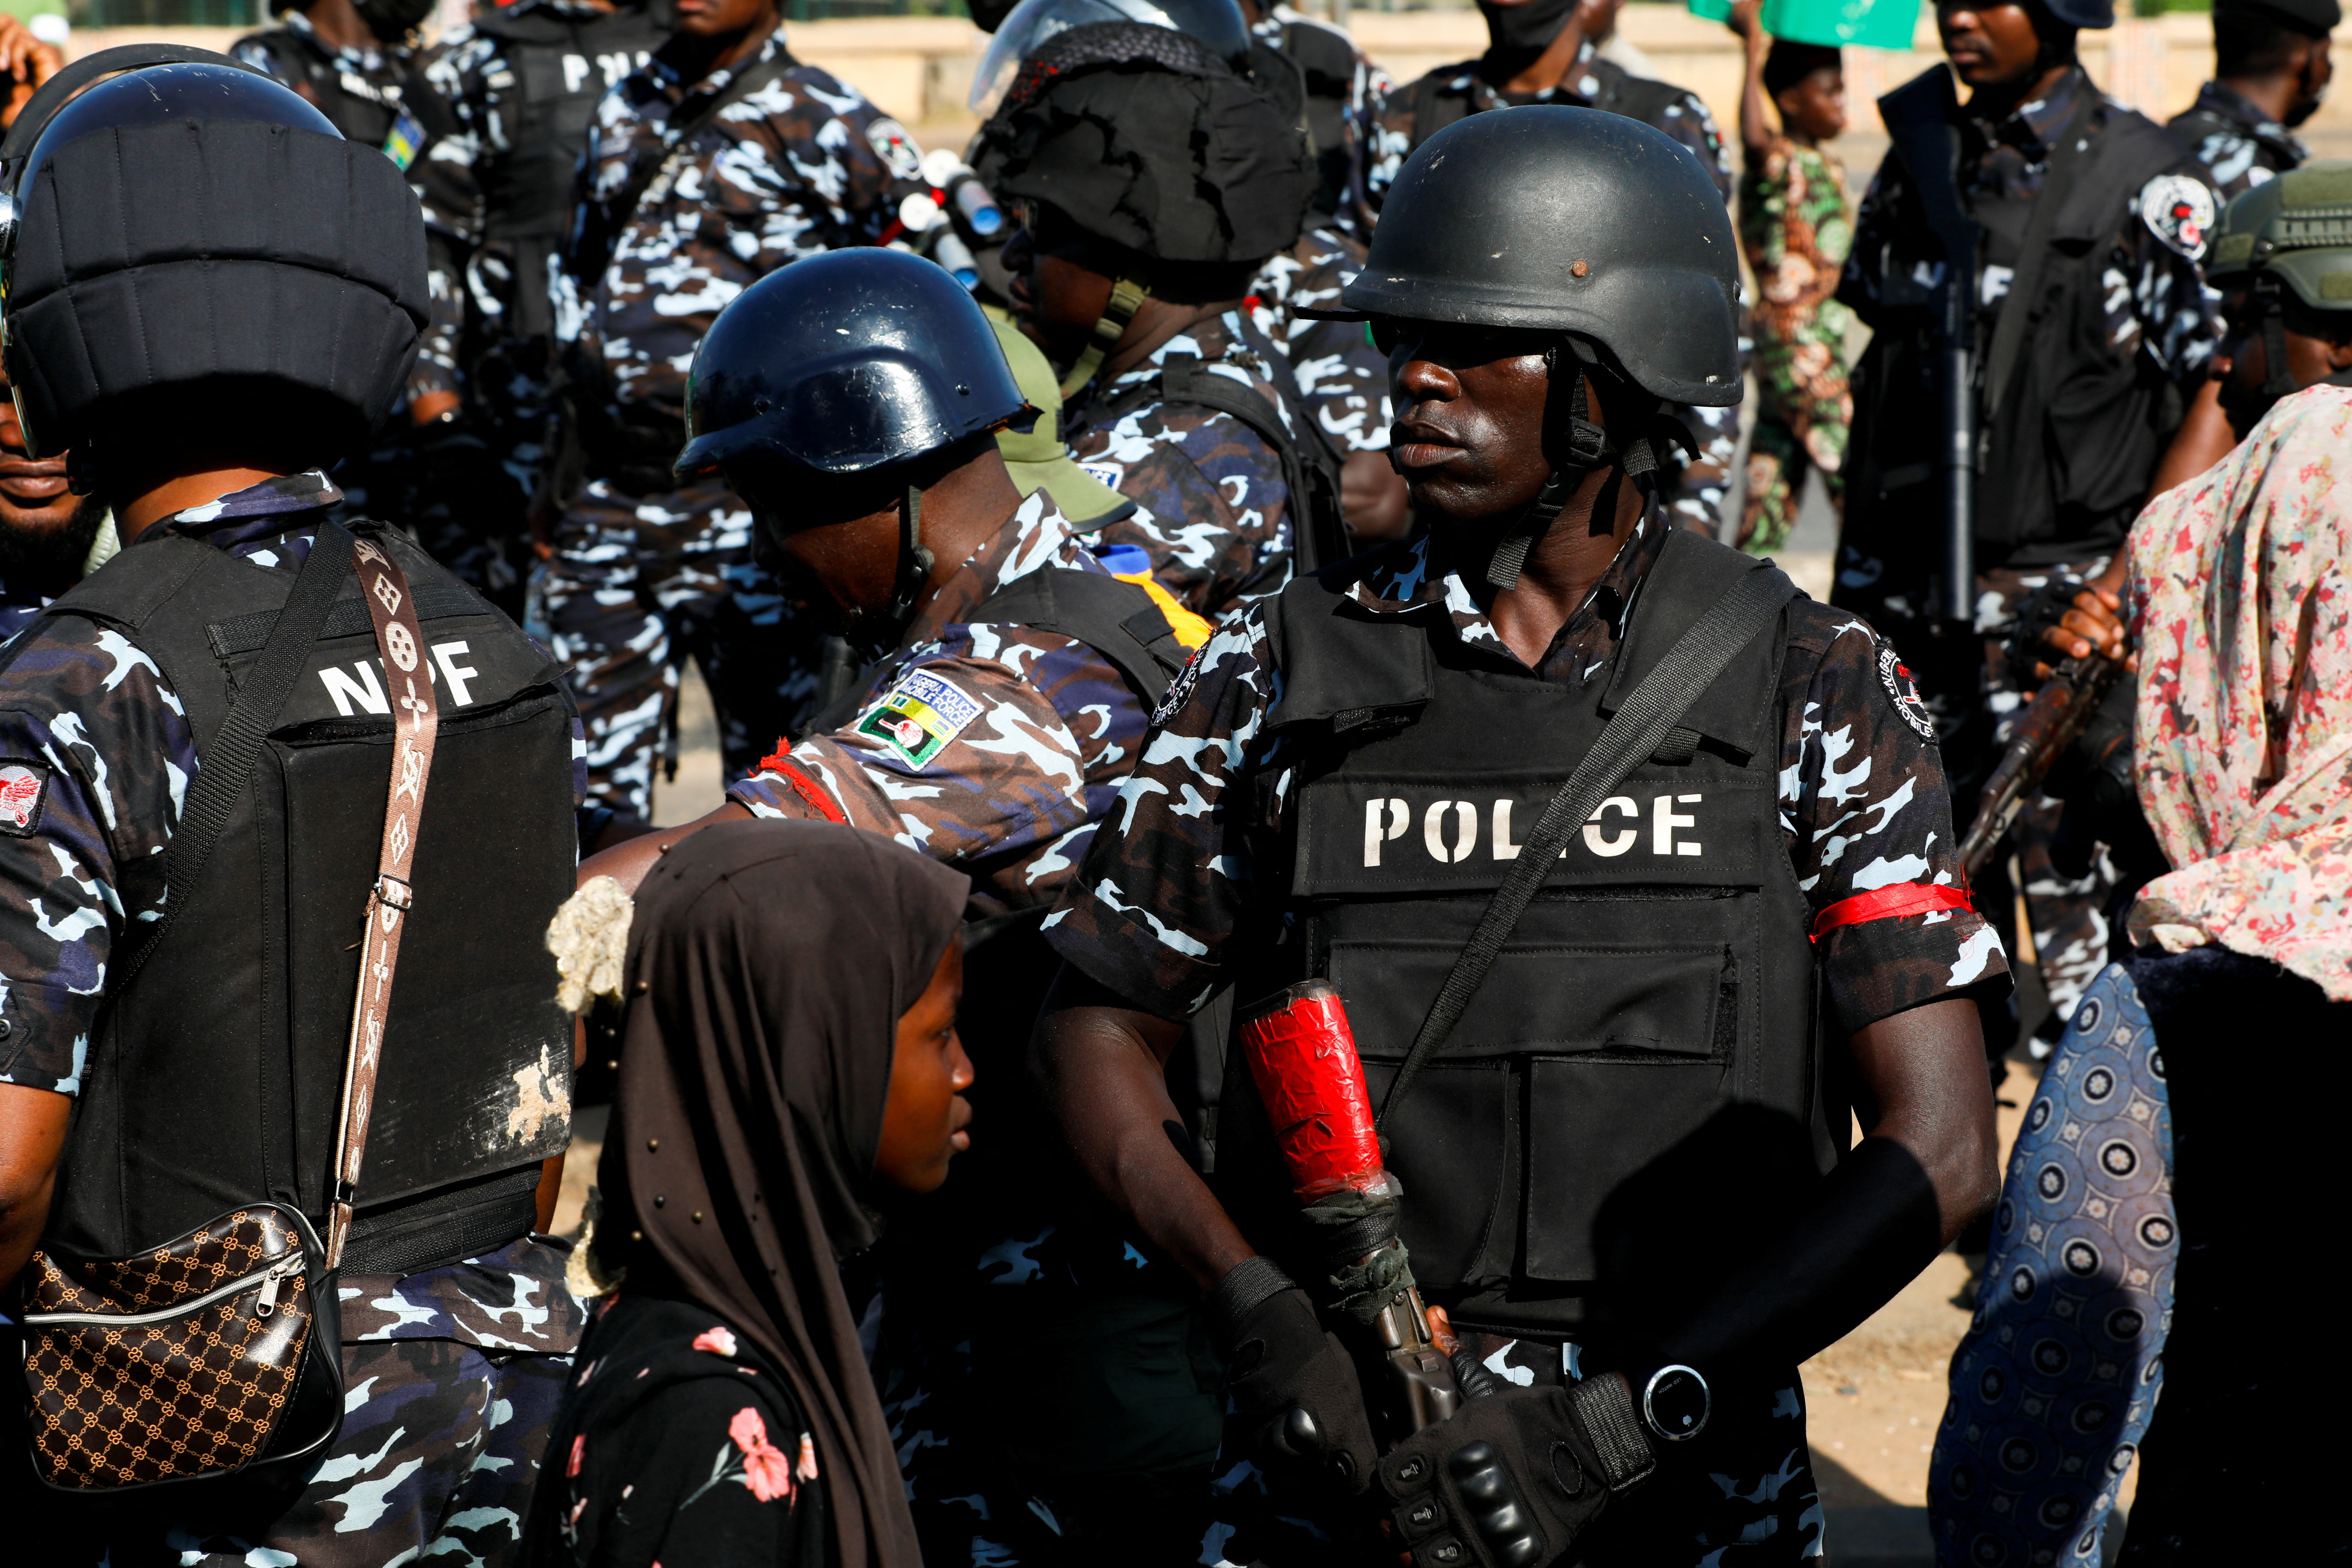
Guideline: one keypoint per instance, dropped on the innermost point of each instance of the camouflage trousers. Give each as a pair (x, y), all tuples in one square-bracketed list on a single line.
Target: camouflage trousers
[(637, 585), (1975, 703), (1744, 1497), (1778, 461), (435, 1462)]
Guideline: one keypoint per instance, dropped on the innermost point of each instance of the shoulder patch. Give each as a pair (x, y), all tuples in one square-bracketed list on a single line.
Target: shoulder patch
[(2178, 211), (895, 148), (24, 791), (1178, 690), (921, 716), (1903, 690)]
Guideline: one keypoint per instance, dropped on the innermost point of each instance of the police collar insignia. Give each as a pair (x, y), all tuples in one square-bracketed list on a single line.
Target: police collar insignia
[(2178, 210), (921, 716), (24, 791), (1903, 690)]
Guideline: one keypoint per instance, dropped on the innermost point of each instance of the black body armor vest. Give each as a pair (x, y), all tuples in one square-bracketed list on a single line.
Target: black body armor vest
[(562, 68), (364, 108), (1637, 1089), (2067, 458), (215, 1077)]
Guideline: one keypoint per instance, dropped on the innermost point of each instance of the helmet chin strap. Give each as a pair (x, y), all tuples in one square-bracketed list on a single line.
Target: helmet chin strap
[(1583, 447), (915, 563), (1126, 297), (2281, 382)]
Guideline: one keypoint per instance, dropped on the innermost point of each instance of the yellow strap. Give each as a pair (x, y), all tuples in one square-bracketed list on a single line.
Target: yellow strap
[(1189, 629), (1126, 297)]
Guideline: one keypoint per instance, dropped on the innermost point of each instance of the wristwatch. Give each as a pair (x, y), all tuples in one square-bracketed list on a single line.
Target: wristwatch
[(1676, 1404)]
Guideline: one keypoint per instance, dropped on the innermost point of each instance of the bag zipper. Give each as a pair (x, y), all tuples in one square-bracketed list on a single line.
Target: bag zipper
[(267, 1279)]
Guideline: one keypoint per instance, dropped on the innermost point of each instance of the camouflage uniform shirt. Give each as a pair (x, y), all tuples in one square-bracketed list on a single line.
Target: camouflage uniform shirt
[(801, 165), (1173, 877), (1215, 516), (2239, 145), (1342, 378), (993, 747)]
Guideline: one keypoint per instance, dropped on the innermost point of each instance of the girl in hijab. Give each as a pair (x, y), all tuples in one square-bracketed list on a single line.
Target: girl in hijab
[(789, 1051)]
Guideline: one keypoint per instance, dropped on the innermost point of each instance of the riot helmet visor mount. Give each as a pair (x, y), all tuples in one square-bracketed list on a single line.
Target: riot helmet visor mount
[(1217, 24)]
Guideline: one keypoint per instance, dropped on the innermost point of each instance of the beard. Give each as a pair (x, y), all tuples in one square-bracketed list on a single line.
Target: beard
[(53, 556)]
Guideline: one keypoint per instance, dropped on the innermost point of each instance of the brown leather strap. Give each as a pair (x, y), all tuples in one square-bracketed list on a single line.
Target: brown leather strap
[(416, 726)]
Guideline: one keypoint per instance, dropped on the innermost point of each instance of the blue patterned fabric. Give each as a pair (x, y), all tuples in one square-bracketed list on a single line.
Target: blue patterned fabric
[(2053, 1384)]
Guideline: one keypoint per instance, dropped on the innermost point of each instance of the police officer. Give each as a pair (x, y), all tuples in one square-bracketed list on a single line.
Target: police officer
[(850, 401), (1155, 178), (722, 160), (1622, 1170), (1344, 92), (198, 801), (2271, 71), (2093, 332), (2280, 259), (519, 85), (1548, 51)]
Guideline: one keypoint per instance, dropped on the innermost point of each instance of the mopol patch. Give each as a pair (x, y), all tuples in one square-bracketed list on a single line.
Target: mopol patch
[(1178, 690), (921, 716), (2178, 211), (24, 790), (1904, 692)]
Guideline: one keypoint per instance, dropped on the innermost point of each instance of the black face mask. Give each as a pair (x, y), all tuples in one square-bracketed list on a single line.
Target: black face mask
[(393, 20), (1526, 29)]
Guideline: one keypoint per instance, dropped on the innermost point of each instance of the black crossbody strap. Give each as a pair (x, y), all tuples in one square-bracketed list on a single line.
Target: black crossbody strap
[(1635, 731), (2033, 252), (226, 766)]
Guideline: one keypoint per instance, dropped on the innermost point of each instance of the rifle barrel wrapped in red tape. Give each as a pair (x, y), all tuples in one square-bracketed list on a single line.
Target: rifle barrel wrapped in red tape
[(1302, 1056)]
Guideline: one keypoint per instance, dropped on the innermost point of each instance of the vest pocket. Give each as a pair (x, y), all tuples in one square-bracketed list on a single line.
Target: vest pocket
[(1593, 1128), (1448, 1145)]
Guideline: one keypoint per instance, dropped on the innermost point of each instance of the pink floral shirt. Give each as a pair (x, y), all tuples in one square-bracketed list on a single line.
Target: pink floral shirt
[(2241, 597)]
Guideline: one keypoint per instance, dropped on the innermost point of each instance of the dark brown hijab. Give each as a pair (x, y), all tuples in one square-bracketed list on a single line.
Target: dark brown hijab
[(768, 964)]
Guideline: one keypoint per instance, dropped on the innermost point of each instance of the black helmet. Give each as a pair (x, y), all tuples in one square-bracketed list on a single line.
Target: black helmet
[(1570, 220), (1217, 24), (845, 361), (192, 222), (1146, 138)]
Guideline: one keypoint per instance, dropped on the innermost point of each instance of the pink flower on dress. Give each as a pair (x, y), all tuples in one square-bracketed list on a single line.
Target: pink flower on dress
[(766, 1468), (579, 1444), (720, 1340)]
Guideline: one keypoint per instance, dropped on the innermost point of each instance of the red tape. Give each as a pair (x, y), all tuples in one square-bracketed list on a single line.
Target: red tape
[(807, 788), (1303, 1060), (1890, 903)]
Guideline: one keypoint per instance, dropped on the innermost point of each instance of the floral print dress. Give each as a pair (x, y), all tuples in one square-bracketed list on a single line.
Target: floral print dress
[(1796, 228), (678, 1444)]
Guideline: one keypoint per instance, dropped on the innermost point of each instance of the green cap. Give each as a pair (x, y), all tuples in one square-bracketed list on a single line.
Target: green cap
[(1035, 458), (2297, 228)]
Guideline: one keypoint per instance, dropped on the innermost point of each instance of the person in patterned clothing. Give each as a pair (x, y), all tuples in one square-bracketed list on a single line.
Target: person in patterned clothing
[(1796, 228), (1245, 854), (1548, 51), (1118, 289), (722, 161), (516, 87), (2072, 440), (1343, 381), (2271, 72), (1344, 90), (993, 735)]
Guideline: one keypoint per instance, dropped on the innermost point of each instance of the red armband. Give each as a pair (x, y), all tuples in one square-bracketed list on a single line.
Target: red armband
[(807, 788), (1890, 903)]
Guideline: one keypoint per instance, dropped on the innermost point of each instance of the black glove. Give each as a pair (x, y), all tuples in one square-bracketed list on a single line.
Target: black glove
[(1512, 1479), (1291, 1378)]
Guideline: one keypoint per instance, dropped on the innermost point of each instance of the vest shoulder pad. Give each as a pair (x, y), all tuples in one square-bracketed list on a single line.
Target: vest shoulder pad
[(1691, 574), (1118, 620), (2127, 152), (1340, 666), (140, 580)]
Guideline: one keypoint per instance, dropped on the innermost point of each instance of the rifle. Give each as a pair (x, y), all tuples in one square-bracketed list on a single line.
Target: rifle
[(1918, 117), (1302, 1057), (2059, 713)]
